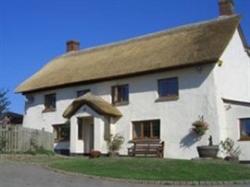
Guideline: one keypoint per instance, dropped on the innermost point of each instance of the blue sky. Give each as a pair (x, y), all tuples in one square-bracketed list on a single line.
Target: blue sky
[(33, 32)]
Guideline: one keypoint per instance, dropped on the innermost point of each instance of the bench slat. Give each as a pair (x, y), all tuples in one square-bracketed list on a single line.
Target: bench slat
[(147, 147)]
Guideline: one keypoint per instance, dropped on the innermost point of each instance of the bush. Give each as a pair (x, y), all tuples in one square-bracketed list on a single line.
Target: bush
[(228, 146), (40, 151), (114, 143)]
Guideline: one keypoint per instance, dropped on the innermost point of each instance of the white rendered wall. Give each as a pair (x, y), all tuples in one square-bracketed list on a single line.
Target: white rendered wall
[(196, 98), (233, 77), (232, 81), (234, 112)]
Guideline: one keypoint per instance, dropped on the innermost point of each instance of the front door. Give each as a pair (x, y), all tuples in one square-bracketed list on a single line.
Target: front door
[(88, 134)]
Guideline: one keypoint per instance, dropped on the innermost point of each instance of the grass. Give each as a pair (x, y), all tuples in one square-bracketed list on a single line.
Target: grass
[(39, 151), (41, 159), (141, 168), (155, 169)]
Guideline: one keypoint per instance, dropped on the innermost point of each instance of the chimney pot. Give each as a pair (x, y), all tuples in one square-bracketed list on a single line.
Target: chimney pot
[(72, 45), (226, 7)]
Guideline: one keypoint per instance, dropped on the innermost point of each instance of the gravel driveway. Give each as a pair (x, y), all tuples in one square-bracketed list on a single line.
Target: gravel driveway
[(23, 175)]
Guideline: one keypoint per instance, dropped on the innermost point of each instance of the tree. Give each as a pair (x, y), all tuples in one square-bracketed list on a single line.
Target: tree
[(4, 101)]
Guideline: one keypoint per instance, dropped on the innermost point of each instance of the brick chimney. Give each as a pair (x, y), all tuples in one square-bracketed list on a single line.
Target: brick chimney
[(226, 7), (72, 45)]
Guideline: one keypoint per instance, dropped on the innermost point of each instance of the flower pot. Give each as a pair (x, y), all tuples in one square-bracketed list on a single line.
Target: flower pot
[(232, 159), (113, 154), (208, 151), (95, 154)]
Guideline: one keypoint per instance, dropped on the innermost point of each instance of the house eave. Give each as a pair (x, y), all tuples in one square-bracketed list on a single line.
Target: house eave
[(87, 82), (236, 102)]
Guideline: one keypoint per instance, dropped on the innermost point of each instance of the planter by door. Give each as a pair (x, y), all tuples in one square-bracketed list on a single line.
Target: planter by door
[(208, 151)]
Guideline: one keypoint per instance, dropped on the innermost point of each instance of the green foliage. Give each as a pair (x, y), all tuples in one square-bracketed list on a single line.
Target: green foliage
[(228, 146), (40, 151), (114, 143), (200, 127), (4, 102)]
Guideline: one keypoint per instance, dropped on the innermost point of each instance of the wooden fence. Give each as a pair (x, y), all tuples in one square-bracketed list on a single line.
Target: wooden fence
[(18, 139)]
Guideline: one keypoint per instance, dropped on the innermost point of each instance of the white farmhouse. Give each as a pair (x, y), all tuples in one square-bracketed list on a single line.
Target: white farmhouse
[(150, 87)]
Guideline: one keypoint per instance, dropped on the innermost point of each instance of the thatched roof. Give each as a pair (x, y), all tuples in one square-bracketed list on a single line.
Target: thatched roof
[(248, 50), (94, 102), (184, 46)]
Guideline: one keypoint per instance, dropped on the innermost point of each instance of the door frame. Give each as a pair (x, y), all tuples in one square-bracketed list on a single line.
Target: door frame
[(87, 133)]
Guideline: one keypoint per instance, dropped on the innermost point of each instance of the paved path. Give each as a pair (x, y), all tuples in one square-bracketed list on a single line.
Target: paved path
[(23, 175)]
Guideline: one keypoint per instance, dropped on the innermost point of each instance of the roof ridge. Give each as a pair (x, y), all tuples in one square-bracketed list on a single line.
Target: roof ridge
[(167, 31)]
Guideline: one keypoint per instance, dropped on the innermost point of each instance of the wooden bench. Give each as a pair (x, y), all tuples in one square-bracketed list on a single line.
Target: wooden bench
[(147, 148)]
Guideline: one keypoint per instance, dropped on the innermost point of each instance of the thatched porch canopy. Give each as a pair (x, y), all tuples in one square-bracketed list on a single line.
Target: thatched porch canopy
[(96, 103)]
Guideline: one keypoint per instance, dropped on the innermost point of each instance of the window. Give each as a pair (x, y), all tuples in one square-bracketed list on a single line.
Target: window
[(50, 103), (168, 88), (30, 99), (146, 129), (245, 129), (120, 94), (61, 132), (82, 92)]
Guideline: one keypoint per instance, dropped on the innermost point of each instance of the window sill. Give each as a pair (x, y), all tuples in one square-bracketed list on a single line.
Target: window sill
[(244, 139), (46, 110), (145, 139), (121, 103), (167, 98), (60, 140)]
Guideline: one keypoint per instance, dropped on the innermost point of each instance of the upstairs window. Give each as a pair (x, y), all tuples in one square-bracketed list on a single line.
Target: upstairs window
[(245, 129), (30, 99), (120, 94), (146, 129), (50, 103), (82, 92), (168, 88)]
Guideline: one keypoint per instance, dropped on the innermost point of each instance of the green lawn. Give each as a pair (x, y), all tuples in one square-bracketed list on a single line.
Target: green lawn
[(155, 169)]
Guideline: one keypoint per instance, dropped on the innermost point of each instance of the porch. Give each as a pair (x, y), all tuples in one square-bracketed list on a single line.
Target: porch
[(91, 120)]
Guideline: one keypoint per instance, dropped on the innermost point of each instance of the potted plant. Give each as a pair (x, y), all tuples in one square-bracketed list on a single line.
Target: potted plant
[(95, 154), (205, 151), (200, 127), (114, 144), (208, 151)]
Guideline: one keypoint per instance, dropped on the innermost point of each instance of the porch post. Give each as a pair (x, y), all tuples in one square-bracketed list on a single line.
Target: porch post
[(73, 135), (99, 142)]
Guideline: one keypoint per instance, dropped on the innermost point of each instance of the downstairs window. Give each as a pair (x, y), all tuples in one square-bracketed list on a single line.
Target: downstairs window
[(245, 129), (149, 129), (61, 132)]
